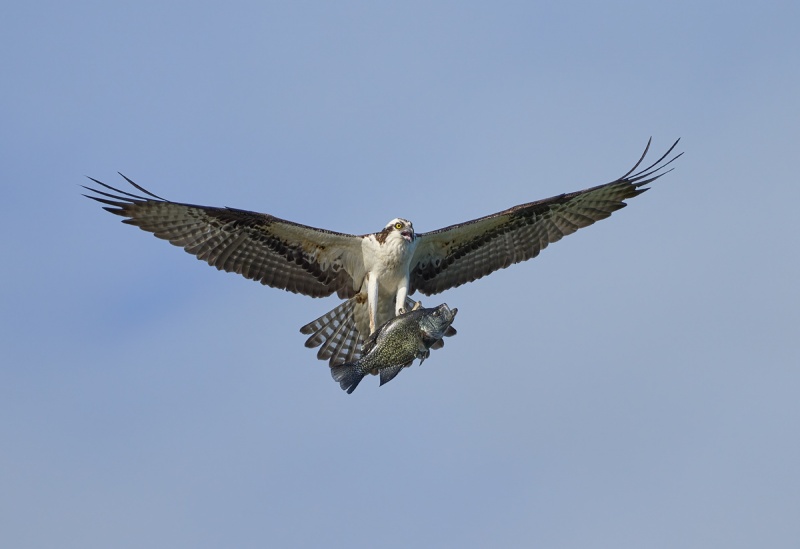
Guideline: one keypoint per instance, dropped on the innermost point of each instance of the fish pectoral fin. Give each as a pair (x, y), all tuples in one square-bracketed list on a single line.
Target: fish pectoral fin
[(388, 374), (423, 352)]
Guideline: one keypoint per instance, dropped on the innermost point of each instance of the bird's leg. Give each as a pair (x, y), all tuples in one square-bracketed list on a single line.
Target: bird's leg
[(402, 292), (372, 301), (417, 305)]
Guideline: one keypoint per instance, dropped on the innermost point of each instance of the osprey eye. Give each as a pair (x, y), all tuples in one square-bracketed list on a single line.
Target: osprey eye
[(398, 225)]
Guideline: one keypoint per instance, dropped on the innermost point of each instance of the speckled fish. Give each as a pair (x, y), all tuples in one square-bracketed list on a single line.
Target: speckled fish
[(395, 345)]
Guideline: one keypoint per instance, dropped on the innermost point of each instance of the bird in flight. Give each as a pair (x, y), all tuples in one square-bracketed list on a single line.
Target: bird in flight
[(374, 273)]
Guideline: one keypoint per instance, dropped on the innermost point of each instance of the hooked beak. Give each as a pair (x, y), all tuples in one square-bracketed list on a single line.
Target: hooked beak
[(408, 235)]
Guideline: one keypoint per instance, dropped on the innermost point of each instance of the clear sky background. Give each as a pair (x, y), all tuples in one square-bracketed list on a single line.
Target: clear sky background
[(634, 386)]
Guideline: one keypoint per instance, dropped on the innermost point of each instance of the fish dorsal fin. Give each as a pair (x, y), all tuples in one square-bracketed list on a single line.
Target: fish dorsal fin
[(388, 374)]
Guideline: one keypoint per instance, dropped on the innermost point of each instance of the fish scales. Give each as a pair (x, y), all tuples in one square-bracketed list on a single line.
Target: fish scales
[(395, 345)]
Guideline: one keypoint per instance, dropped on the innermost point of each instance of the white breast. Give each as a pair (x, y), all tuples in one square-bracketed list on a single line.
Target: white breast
[(388, 261)]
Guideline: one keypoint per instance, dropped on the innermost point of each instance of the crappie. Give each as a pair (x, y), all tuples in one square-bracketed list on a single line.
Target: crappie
[(395, 345)]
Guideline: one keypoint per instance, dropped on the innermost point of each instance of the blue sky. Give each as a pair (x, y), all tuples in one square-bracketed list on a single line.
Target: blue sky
[(634, 386)]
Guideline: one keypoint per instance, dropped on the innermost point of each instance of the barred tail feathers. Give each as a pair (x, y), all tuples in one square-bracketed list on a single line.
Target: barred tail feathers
[(349, 346), (337, 334), (323, 327)]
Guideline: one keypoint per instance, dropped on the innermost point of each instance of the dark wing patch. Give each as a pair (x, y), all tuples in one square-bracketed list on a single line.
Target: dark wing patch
[(465, 252), (275, 252)]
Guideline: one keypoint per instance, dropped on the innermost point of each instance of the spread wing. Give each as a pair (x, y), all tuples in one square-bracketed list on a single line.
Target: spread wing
[(275, 252), (465, 252)]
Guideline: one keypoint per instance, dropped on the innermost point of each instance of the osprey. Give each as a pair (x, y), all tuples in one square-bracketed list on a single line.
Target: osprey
[(374, 273)]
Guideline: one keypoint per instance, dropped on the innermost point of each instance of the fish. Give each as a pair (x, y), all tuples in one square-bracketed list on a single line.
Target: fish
[(395, 345)]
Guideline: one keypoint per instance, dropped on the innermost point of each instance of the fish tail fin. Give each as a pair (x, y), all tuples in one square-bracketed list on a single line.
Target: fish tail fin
[(348, 375)]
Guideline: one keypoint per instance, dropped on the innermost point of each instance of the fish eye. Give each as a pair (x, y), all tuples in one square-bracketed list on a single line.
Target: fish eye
[(398, 225)]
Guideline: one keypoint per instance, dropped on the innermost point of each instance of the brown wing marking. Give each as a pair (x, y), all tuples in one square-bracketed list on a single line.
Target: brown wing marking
[(467, 251), (273, 251)]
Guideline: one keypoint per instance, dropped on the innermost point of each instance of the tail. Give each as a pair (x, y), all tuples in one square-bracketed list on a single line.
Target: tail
[(336, 333), (348, 375)]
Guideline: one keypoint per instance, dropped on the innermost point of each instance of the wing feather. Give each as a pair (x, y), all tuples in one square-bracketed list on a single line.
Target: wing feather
[(467, 251), (273, 251)]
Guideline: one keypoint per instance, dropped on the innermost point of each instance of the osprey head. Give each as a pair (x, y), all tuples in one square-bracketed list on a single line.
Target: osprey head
[(401, 226)]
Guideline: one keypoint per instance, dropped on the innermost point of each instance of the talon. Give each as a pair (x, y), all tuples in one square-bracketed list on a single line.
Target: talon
[(417, 305)]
